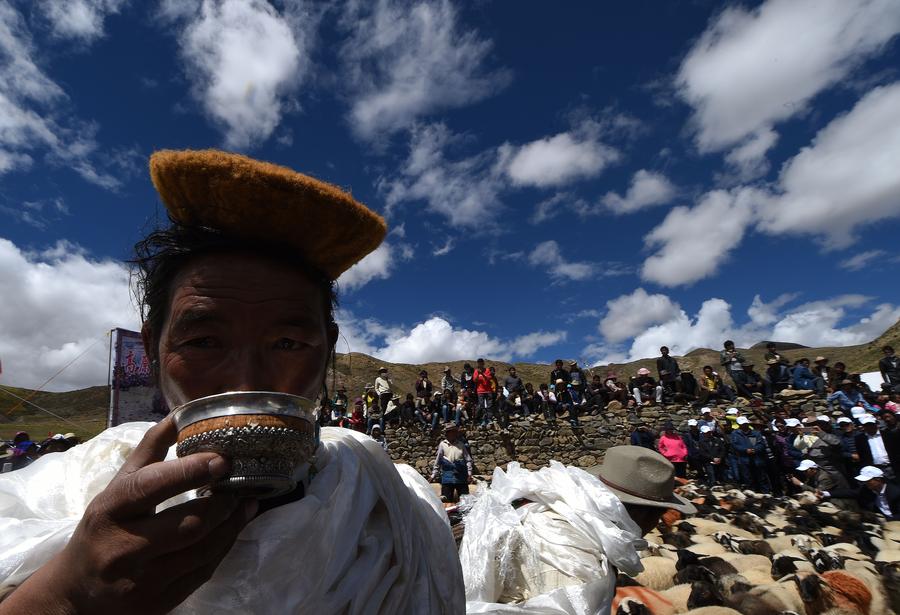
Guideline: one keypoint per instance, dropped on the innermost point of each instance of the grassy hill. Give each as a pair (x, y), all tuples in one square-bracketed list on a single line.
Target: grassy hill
[(87, 408)]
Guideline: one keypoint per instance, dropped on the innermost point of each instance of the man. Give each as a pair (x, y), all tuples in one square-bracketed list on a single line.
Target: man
[(467, 379), (711, 387), (822, 370), (889, 366), (484, 387), (448, 382), (453, 464), (577, 378), (383, 388), (424, 388), (752, 384), (512, 382), (615, 389), (778, 377), (848, 445), (878, 495), (713, 450), (641, 436), (236, 295), (644, 388), (596, 395), (825, 484), (733, 362), (559, 373), (838, 375), (805, 380), (749, 448), (707, 420), (772, 353), (668, 370), (877, 449), (848, 397)]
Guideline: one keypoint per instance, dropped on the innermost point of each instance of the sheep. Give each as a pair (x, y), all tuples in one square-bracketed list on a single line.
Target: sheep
[(707, 549), (713, 610), (747, 562), (784, 564), (716, 565), (890, 575), (848, 591), (780, 596), (707, 527), (892, 555), (678, 595), (630, 606), (658, 573), (654, 601)]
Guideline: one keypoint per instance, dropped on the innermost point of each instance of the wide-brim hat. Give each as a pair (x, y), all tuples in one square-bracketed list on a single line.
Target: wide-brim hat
[(260, 201), (637, 475)]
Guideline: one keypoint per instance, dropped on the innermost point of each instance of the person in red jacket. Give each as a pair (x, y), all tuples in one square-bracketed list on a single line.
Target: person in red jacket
[(484, 387), (672, 447)]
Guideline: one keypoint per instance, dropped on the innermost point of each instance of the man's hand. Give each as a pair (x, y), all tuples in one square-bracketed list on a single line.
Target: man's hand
[(750, 451), (796, 482), (854, 456), (126, 558)]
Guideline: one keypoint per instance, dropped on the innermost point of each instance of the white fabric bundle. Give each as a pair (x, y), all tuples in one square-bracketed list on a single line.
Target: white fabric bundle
[(368, 536), (553, 555)]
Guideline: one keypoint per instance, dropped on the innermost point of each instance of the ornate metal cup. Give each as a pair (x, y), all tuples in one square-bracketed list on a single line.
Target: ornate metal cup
[(267, 436)]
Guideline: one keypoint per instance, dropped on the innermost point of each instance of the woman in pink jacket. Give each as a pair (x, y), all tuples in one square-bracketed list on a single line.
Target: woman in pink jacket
[(673, 448)]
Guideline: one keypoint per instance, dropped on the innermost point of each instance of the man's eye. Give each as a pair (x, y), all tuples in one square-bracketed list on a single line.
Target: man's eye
[(286, 343), (202, 342)]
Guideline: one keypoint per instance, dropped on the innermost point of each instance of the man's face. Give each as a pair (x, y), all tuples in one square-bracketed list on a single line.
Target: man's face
[(847, 427), (238, 322), (707, 371), (875, 484), (646, 517), (889, 352), (889, 418), (811, 472), (559, 365), (870, 428), (512, 371), (664, 351)]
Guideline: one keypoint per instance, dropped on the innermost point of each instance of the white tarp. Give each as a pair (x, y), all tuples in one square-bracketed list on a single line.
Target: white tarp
[(365, 538), (873, 379)]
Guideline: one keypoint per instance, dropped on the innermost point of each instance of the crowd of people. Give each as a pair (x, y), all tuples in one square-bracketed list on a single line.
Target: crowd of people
[(21, 451)]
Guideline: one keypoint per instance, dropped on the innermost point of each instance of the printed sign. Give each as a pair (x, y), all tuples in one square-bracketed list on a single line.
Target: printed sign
[(133, 396)]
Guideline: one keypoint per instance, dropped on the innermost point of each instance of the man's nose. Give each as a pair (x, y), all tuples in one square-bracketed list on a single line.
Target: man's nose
[(246, 372)]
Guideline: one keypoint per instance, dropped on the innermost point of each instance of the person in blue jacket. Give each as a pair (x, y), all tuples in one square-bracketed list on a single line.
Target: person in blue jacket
[(749, 447), (847, 397), (641, 436), (805, 380)]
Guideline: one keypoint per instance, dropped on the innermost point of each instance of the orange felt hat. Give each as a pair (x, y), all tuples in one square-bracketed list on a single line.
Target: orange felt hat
[(258, 200)]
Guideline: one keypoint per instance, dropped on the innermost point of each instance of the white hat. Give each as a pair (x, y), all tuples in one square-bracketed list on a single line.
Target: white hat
[(732, 412), (792, 422), (705, 411), (705, 429), (823, 419), (866, 419), (692, 422), (843, 420), (809, 419), (743, 420), (806, 464), (868, 473), (857, 411)]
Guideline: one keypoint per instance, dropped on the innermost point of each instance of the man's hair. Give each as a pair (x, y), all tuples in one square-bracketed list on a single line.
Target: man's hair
[(160, 256), (887, 348), (770, 345), (840, 363), (728, 343), (707, 367), (663, 348)]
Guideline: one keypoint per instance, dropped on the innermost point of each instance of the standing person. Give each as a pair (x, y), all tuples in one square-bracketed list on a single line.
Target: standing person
[(453, 463), (707, 420), (848, 445), (668, 370), (448, 382), (467, 379), (357, 422), (577, 378), (559, 373), (512, 382), (484, 387), (749, 447), (733, 362), (692, 439), (672, 447), (383, 388), (713, 451), (645, 388), (889, 366), (378, 436), (778, 377), (878, 449), (424, 388)]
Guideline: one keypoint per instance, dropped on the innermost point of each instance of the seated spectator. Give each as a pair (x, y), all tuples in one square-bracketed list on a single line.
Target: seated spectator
[(778, 377), (24, 454), (642, 436), (689, 387), (644, 388), (596, 395), (822, 370), (889, 366), (567, 400), (876, 449), (752, 383), (547, 401), (340, 399), (847, 397), (338, 414), (711, 387), (408, 410), (428, 417), (356, 421), (577, 378), (391, 414), (512, 382), (805, 380), (378, 436)]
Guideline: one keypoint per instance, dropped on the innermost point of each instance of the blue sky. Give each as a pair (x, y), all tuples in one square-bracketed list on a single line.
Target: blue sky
[(586, 182)]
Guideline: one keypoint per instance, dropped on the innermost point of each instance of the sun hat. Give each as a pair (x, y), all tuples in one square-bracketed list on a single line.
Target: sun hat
[(643, 371), (743, 420), (806, 464), (450, 426), (819, 358), (261, 201), (368, 386), (846, 382), (868, 473), (857, 411), (732, 412), (692, 422), (705, 429), (867, 419), (792, 422), (843, 420), (382, 369), (823, 419), (377, 426), (705, 411), (638, 475)]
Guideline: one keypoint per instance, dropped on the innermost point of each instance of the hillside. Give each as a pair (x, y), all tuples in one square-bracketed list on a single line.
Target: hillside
[(88, 407)]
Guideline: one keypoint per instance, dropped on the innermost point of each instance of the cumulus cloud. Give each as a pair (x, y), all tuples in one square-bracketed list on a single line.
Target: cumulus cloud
[(377, 265), (79, 19), (436, 339), (828, 322), (628, 315), (444, 249), (405, 60), (245, 59), (753, 68), (58, 304), (647, 189), (861, 260), (749, 159), (561, 158), (720, 218), (846, 177), (547, 254), (34, 112)]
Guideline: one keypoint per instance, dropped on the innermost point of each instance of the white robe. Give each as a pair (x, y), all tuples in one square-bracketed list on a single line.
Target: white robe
[(368, 536)]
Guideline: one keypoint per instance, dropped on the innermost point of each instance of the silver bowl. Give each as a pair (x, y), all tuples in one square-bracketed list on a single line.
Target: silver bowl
[(266, 436)]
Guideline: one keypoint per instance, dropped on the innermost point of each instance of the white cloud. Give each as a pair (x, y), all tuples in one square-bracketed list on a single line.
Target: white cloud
[(861, 260), (465, 191), (547, 254), (244, 59), (749, 159), (753, 68), (56, 305), (646, 190), (444, 249), (436, 339), (79, 19), (692, 242), (405, 60), (561, 158), (377, 265), (846, 178), (628, 315), (762, 313), (33, 118)]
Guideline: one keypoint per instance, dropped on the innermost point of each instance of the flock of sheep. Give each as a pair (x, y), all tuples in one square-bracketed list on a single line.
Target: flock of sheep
[(753, 554)]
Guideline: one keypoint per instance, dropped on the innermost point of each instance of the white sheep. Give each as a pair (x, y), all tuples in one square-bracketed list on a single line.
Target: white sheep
[(713, 610), (659, 573)]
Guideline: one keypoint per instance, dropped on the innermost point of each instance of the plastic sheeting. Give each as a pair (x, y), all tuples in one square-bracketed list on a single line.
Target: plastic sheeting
[(553, 555), (368, 537)]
